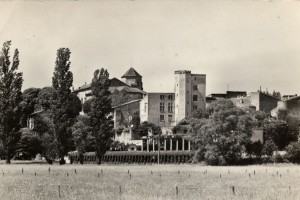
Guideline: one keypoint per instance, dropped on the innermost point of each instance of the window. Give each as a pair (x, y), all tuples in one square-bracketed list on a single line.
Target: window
[(170, 97), (145, 107), (195, 98), (194, 107), (162, 97), (170, 118), (162, 107), (194, 87), (170, 107), (195, 78), (162, 118), (187, 91)]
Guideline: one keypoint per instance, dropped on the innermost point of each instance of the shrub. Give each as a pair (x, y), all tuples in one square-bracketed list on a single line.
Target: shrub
[(269, 148), (213, 156), (293, 152), (199, 155)]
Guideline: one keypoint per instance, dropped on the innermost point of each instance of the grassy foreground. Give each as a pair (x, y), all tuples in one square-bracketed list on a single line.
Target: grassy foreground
[(149, 182)]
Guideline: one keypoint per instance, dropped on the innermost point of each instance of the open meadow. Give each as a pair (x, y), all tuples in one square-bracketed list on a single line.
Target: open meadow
[(36, 181)]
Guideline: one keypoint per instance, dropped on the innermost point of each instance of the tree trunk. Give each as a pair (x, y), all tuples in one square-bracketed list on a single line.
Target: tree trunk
[(99, 160), (7, 161), (62, 161), (49, 161), (81, 159)]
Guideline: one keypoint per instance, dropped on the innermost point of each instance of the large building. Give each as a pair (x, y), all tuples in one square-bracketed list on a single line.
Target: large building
[(162, 109)]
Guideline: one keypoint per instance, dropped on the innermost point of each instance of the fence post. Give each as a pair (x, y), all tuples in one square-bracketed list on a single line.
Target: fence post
[(22, 170), (233, 191), (59, 191), (176, 190)]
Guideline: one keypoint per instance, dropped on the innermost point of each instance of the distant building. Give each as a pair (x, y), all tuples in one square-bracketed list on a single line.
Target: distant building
[(289, 111), (286, 97), (84, 92), (258, 101)]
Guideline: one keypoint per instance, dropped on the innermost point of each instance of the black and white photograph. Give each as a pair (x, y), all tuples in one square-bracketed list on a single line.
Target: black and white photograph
[(149, 99)]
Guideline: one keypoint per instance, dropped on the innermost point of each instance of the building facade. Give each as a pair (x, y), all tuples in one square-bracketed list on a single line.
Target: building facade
[(190, 93)]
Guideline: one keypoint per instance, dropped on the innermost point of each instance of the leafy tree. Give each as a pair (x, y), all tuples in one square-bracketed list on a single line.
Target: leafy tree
[(276, 94), (45, 98), (100, 118), (29, 146), (83, 139), (224, 134), (86, 107), (143, 129), (62, 110), (269, 148), (278, 131), (254, 148), (135, 122), (200, 113), (260, 117), (29, 97), (293, 152), (10, 98)]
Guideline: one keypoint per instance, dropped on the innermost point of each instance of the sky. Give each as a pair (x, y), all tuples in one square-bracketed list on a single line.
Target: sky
[(240, 45)]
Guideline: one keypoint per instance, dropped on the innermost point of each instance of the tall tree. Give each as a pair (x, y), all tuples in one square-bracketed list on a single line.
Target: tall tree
[(100, 118), (10, 98), (63, 113)]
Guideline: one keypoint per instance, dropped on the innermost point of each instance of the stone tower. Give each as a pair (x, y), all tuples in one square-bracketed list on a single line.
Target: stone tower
[(133, 79), (190, 94)]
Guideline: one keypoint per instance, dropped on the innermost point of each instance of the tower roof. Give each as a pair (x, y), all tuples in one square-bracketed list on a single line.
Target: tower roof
[(131, 73)]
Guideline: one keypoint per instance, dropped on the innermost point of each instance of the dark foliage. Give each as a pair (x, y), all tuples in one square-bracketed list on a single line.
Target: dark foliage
[(100, 118), (10, 102), (63, 111), (29, 97), (278, 131), (293, 152)]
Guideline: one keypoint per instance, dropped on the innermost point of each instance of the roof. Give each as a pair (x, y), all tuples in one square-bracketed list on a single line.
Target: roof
[(129, 102), (114, 82), (83, 88), (292, 98), (131, 73), (127, 89)]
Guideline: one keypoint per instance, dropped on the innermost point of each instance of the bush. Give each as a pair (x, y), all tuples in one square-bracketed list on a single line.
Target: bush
[(269, 148), (199, 155), (293, 152), (213, 156)]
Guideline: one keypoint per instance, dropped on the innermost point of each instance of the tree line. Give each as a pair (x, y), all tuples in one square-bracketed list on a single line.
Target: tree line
[(55, 132), (223, 133)]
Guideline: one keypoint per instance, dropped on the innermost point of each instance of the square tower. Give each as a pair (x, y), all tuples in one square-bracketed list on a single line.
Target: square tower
[(133, 79), (190, 94)]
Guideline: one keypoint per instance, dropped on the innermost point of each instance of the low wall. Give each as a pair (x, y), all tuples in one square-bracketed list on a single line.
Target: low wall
[(138, 157)]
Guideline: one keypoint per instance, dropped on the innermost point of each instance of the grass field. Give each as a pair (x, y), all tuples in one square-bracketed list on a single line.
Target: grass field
[(149, 182)]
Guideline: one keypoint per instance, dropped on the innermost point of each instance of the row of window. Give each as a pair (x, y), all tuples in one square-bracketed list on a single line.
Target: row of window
[(170, 97), (162, 107), (162, 118)]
